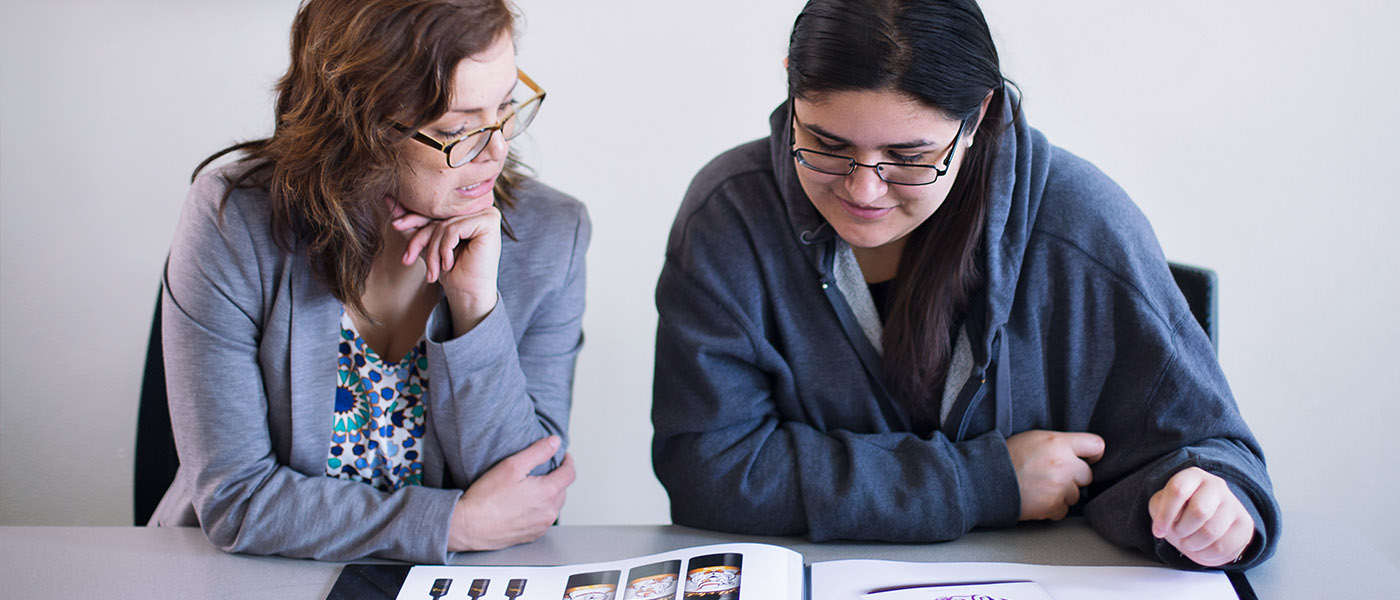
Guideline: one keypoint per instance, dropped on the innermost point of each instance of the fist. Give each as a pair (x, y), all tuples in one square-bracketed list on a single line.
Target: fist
[(1051, 466), (1198, 514)]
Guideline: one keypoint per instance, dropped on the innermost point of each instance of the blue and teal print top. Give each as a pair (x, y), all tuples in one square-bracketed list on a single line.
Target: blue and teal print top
[(379, 414)]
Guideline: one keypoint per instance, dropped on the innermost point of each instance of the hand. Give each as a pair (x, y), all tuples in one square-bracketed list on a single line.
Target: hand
[(1051, 466), (403, 220), (1198, 514), (463, 253), (507, 505)]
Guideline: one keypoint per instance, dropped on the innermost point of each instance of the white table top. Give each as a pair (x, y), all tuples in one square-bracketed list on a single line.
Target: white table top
[(1319, 557)]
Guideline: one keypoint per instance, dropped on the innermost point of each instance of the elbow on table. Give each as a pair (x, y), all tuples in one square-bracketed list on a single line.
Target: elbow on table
[(230, 520), (731, 514), (243, 535), (226, 526), (705, 495)]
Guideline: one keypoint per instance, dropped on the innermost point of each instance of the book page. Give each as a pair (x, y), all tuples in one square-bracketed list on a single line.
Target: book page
[(1014, 590), (718, 572), (888, 580)]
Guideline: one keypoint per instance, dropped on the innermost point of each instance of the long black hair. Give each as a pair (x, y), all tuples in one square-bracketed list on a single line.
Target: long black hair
[(939, 52)]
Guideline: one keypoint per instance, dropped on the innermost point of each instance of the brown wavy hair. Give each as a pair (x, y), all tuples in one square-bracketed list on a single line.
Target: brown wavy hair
[(359, 68)]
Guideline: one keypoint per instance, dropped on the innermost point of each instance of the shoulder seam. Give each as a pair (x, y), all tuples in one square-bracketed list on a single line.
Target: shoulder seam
[(715, 190), (1124, 281)]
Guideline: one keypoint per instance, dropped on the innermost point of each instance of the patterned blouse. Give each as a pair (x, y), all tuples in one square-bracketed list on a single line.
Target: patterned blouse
[(379, 414)]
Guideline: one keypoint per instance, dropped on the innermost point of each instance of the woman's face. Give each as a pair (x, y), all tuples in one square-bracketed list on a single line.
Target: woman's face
[(481, 93), (873, 127)]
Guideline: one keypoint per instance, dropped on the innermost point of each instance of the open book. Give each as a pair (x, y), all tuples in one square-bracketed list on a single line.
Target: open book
[(767, 572)]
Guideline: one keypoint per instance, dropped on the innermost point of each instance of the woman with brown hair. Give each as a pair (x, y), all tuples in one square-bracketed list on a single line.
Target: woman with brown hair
[(357, 363)]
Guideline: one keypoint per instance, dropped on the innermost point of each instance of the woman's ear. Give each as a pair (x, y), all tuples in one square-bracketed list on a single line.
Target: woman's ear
[(981, 113)]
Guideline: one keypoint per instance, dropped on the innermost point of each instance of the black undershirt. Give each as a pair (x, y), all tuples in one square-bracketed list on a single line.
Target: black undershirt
[(880, 294)]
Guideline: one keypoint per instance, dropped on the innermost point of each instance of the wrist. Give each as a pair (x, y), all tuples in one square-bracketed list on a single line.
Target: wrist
[(468, 314), (458, 536)]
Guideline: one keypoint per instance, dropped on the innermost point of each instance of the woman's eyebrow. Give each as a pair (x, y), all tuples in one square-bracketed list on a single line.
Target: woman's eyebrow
[(817, 129), (469, 111)]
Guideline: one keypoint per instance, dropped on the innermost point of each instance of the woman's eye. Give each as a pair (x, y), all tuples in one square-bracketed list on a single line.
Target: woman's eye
[(908, 158), (825, 147)]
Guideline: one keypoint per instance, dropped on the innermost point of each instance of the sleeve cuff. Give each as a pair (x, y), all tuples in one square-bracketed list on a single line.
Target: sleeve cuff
[(481, 346), (436, 526), (994, 496)]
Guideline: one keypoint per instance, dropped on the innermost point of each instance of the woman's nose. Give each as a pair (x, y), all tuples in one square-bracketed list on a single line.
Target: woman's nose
[(865, 186), (497, 146)]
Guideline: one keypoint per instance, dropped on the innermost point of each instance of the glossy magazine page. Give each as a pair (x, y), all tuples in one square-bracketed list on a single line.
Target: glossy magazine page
[(718, 572)]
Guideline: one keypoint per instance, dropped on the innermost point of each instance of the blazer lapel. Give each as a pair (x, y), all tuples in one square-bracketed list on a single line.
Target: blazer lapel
[(315, 343)]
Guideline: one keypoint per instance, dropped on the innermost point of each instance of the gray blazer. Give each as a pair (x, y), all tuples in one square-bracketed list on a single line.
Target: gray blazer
[(251, 343)]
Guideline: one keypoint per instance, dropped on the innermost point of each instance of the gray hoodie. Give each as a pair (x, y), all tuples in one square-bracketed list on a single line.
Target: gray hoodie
[(769, 410)]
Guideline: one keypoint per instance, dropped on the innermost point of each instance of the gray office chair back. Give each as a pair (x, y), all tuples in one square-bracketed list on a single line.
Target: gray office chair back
[(1198, 284)]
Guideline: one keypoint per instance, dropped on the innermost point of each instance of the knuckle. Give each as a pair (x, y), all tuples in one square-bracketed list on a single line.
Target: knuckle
[(1213, 555), (1197, 511), (514, 463)]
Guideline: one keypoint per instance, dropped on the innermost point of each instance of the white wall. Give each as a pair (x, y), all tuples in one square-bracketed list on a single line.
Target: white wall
[(1257, 136)]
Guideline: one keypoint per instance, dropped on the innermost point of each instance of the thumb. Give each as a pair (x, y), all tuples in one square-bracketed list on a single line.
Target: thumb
[(564, 474), (535, 454), (1087, 446)]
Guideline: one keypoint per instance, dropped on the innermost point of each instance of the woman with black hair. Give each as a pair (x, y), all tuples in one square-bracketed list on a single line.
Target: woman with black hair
[(905, 314)]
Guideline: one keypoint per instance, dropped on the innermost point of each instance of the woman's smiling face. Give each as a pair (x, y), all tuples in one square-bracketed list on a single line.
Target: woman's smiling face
[(873, 127), (481, 95)]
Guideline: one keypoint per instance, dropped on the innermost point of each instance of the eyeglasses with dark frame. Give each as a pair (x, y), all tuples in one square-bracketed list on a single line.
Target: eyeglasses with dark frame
[(896, 173), (511, 126)]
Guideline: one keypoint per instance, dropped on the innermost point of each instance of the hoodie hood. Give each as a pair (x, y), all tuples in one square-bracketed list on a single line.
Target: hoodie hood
[(1020, 168)]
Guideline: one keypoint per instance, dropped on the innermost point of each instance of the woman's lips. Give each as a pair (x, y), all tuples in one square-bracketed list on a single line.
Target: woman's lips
[(865, 212), (478, 189)]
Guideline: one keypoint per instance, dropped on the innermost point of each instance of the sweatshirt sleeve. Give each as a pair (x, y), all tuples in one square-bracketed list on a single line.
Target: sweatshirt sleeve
[(495, 396), (736, 454), (1188, 419), (1113, 342), (218, 284)]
